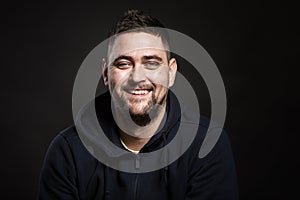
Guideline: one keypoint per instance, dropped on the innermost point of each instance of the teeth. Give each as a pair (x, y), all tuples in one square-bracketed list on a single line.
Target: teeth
[(139, 92)]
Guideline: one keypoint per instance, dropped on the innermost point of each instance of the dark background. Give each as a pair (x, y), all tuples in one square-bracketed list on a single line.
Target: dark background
[(254, 44)]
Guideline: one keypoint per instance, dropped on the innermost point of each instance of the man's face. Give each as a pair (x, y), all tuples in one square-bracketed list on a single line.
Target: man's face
[(138, 72)]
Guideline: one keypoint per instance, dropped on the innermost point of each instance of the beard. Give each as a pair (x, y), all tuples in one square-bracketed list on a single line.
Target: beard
[(143, 115), (141, 111)]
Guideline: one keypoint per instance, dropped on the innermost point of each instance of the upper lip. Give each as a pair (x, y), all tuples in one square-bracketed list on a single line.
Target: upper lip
[(130, 90), (138, 88)]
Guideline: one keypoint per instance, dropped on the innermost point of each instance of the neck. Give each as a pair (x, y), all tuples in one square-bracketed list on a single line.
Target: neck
[(135, 136), (131, 142)]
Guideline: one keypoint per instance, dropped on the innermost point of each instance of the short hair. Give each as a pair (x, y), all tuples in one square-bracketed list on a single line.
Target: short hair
[(136, 21)]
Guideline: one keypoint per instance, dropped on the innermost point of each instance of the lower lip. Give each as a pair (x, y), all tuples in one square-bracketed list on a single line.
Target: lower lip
[(140, 95)]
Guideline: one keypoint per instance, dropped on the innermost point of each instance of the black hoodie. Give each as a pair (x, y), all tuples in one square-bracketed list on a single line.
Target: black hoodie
[(70, 171)]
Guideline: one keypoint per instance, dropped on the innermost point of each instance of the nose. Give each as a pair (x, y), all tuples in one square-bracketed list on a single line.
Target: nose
[(138, 74)]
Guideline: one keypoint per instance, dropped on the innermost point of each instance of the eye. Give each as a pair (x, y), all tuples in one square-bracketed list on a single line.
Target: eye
[(152, 64), (123, 65)]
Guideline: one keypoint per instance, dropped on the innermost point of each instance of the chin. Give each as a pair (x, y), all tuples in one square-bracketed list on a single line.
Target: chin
[(139, 112)]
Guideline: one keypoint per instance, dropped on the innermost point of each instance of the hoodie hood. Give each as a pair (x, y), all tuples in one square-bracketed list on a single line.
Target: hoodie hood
[(99, 131)]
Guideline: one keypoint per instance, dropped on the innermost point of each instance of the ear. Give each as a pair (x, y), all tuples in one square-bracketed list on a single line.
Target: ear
[(104, 71), (172, 71)]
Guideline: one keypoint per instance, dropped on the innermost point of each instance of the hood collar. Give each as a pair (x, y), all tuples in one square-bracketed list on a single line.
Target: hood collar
[(110, 128)]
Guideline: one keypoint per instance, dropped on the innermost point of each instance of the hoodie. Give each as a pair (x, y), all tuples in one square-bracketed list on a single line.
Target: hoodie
[(72, 170)]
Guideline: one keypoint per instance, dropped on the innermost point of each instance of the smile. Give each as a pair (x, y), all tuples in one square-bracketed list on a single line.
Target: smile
[(139, 92)]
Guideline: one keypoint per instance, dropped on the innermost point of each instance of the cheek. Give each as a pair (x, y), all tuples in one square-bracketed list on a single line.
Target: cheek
[(160, 78), (116, 78)]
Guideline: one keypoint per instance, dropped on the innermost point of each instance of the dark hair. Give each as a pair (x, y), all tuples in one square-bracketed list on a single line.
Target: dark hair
[(134, 19), (137, 21)]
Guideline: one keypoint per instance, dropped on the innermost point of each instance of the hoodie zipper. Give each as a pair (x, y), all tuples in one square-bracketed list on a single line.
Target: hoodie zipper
[(137, 166), (135, 187)]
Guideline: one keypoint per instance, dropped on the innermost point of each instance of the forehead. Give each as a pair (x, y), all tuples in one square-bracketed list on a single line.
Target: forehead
[(136, 42)]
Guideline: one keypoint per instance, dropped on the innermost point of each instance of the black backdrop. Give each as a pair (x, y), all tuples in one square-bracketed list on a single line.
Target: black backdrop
[(253, 44)]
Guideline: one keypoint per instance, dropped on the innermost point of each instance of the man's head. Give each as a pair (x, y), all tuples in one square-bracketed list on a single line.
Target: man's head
[(137, 21), (138, 69)]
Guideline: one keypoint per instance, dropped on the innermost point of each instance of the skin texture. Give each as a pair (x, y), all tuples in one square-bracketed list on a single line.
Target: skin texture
[(138, 75)]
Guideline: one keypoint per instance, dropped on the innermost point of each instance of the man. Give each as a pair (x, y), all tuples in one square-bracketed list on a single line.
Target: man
[(140, 115)]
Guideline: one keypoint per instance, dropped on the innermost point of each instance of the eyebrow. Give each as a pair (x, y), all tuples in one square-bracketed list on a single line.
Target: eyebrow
[(152, 57), (144, 58)]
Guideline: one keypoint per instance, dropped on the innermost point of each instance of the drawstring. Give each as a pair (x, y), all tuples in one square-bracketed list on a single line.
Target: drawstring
[(106, 178), (166, 168)]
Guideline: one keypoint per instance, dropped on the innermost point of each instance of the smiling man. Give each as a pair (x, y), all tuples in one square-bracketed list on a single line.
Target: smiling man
[(140, 115), (138, 73)]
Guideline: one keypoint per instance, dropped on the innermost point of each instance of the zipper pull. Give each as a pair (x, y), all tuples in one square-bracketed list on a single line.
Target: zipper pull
[(137, 162)]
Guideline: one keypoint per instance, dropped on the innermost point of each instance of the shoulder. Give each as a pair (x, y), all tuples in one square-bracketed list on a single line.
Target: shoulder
[(67, 143), (66, 136), (210, 139)]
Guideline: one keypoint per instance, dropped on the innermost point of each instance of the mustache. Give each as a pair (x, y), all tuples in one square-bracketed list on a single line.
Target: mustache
[(145, 86)]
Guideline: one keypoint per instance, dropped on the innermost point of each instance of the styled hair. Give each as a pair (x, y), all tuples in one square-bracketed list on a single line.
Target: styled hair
[(134, 19), (137, 21)]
